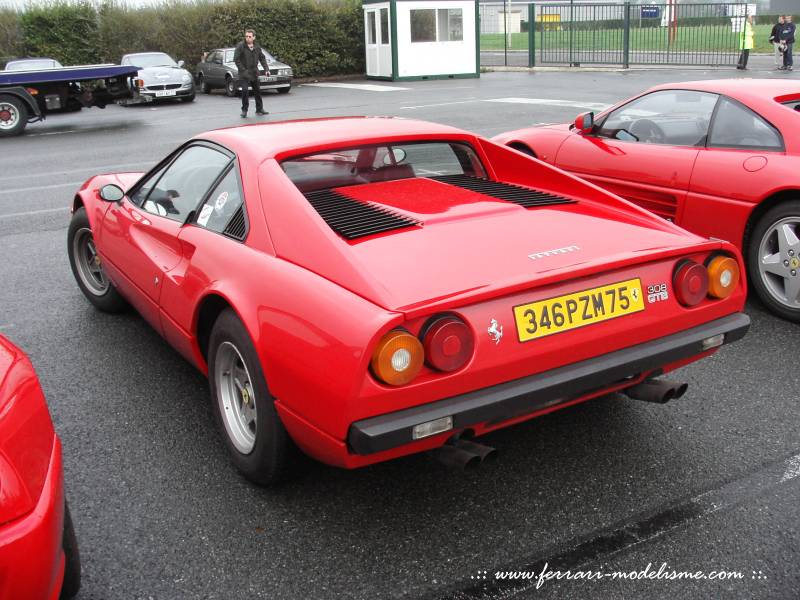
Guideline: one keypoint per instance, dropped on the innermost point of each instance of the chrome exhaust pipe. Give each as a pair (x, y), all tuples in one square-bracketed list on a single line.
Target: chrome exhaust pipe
[(487, 453), (659, 391), (454, 457)]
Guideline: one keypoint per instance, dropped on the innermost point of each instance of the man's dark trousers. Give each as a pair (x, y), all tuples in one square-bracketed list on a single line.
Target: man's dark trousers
[(243, 83), (787, 56)]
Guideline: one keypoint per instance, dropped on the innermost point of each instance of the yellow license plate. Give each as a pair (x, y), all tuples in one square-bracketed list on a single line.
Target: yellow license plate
[(562, 313)]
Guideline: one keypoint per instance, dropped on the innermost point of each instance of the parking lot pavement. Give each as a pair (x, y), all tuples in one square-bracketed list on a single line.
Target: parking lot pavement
[(160, 512)]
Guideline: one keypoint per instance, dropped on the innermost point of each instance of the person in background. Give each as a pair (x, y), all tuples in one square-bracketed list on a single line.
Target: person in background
[(773, 39), (247, 56), (786, 38), (745, 42)]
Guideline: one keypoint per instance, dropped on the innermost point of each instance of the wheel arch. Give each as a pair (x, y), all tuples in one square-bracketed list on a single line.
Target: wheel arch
[(23, 94), (761, 208), (208, 310)]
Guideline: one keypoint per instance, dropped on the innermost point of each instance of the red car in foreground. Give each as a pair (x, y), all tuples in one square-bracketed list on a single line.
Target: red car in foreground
[(38, 552), (720, 158), (367, 288)]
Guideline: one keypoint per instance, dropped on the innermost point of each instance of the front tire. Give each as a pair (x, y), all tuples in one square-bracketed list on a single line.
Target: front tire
[(230, 87), (86, 267), (204, 87), (284, 90), (773, 259), (13, 116), (188, 98), (72, 559), (244, 409)]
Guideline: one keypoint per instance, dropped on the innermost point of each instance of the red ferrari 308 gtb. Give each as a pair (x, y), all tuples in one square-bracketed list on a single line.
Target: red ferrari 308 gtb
[(720, 158), (38, 552), (367, 288)]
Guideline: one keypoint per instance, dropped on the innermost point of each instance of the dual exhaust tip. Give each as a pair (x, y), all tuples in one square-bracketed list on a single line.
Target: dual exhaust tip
[(464, 455), (659, 391)]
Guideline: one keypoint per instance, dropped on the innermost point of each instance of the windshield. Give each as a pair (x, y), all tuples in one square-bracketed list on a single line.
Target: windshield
[(385, 162), (149, 60), (36, 64)]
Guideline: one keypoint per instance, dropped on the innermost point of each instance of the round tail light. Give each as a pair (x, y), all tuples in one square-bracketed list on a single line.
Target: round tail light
[(723, 276), (448, 344), (397, 358), (690, 283)]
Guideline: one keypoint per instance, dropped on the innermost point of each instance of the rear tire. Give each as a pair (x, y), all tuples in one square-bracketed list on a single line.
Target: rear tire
[(72, 559), (86, 267), (13, 116), (773, 254), (204, 87), (243, 407)]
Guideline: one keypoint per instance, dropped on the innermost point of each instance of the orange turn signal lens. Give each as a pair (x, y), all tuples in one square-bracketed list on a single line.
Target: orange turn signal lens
[(398, 358), (723, 276)]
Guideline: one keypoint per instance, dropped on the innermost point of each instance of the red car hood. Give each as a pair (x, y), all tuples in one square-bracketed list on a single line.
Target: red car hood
[(472, 247)]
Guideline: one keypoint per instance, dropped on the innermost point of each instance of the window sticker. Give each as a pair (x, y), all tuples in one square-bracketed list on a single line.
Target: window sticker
[(205, 214)]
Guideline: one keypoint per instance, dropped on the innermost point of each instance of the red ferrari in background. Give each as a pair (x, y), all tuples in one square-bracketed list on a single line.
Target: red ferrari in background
[(38, 552), (720, 158), (368, 288)]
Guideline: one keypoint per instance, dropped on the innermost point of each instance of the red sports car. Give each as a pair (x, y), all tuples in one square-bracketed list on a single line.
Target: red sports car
[(367, 288), (38, 551), (720, 158)]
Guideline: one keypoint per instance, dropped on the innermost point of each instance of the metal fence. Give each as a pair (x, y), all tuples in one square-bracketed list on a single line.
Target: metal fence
[(580, 33)]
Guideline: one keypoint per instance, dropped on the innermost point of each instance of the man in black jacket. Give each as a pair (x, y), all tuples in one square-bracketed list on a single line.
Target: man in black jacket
[(773, 39), (786, 38), (247, 56)]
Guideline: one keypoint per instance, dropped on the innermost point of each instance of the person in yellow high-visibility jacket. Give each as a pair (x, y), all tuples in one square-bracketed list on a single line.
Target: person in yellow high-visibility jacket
[(745, 42)]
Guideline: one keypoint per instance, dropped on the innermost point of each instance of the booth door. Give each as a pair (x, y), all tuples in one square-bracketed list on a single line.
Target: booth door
[(378, 42)]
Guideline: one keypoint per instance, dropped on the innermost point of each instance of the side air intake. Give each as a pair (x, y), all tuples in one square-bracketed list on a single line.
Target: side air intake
[(237, 226), (517, 194), (353, 219)]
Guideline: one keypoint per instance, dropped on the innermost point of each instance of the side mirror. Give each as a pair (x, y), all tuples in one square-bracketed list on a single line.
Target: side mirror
[(111, 193), (584, 122), (181, 63)]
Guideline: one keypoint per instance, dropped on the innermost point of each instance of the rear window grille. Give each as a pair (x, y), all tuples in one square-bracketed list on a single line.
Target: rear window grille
[(517, 194), (237, 226), (353, 219)]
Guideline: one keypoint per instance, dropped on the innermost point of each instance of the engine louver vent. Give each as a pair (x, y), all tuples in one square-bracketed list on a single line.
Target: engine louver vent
[(503, 191), (237, 226), (353, 219)]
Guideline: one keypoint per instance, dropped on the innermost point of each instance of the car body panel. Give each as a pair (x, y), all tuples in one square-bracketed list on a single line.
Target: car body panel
[(31, 484), (316, 304)]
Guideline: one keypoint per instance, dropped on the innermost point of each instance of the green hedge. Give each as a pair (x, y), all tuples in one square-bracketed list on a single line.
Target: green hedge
[(316, 37)]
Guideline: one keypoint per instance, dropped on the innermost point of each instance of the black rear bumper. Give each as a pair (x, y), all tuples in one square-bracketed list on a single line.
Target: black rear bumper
[(529, 394)]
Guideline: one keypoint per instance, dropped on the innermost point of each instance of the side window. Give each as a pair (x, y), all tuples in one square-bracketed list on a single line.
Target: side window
[(177, 190), (738, 127), (229, 56), (671, 117), (221, 204)]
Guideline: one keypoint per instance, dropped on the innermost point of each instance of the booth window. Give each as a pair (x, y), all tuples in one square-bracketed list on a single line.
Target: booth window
[(371, 28), (384, 26), (424, 25)]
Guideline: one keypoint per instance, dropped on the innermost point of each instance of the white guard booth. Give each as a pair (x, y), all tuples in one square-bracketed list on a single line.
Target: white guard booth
[(421, 39)]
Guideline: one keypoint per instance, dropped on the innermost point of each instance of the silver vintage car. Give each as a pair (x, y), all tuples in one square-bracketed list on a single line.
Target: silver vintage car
[(162, 77), (217, 70)]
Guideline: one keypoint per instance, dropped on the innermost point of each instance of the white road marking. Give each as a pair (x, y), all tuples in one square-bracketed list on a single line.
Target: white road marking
[(552, 102), (41, 187), (366, 87), (35, 212), (96, 169), (793, 470), (440, 104)]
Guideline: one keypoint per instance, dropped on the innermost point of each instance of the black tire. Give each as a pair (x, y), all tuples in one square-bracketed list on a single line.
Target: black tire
[(762, 241), (231, 89), (72, 559), (15, 112), (204, 87), (284, 90), (97, 288), (188, 98), (272, 454)]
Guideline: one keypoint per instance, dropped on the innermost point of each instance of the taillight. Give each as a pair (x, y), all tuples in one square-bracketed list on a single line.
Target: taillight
[(448, 344), (398, 358), (690, 283), (723, 276)]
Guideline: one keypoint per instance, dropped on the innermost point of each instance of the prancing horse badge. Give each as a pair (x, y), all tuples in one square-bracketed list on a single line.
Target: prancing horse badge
[(495, 331)]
